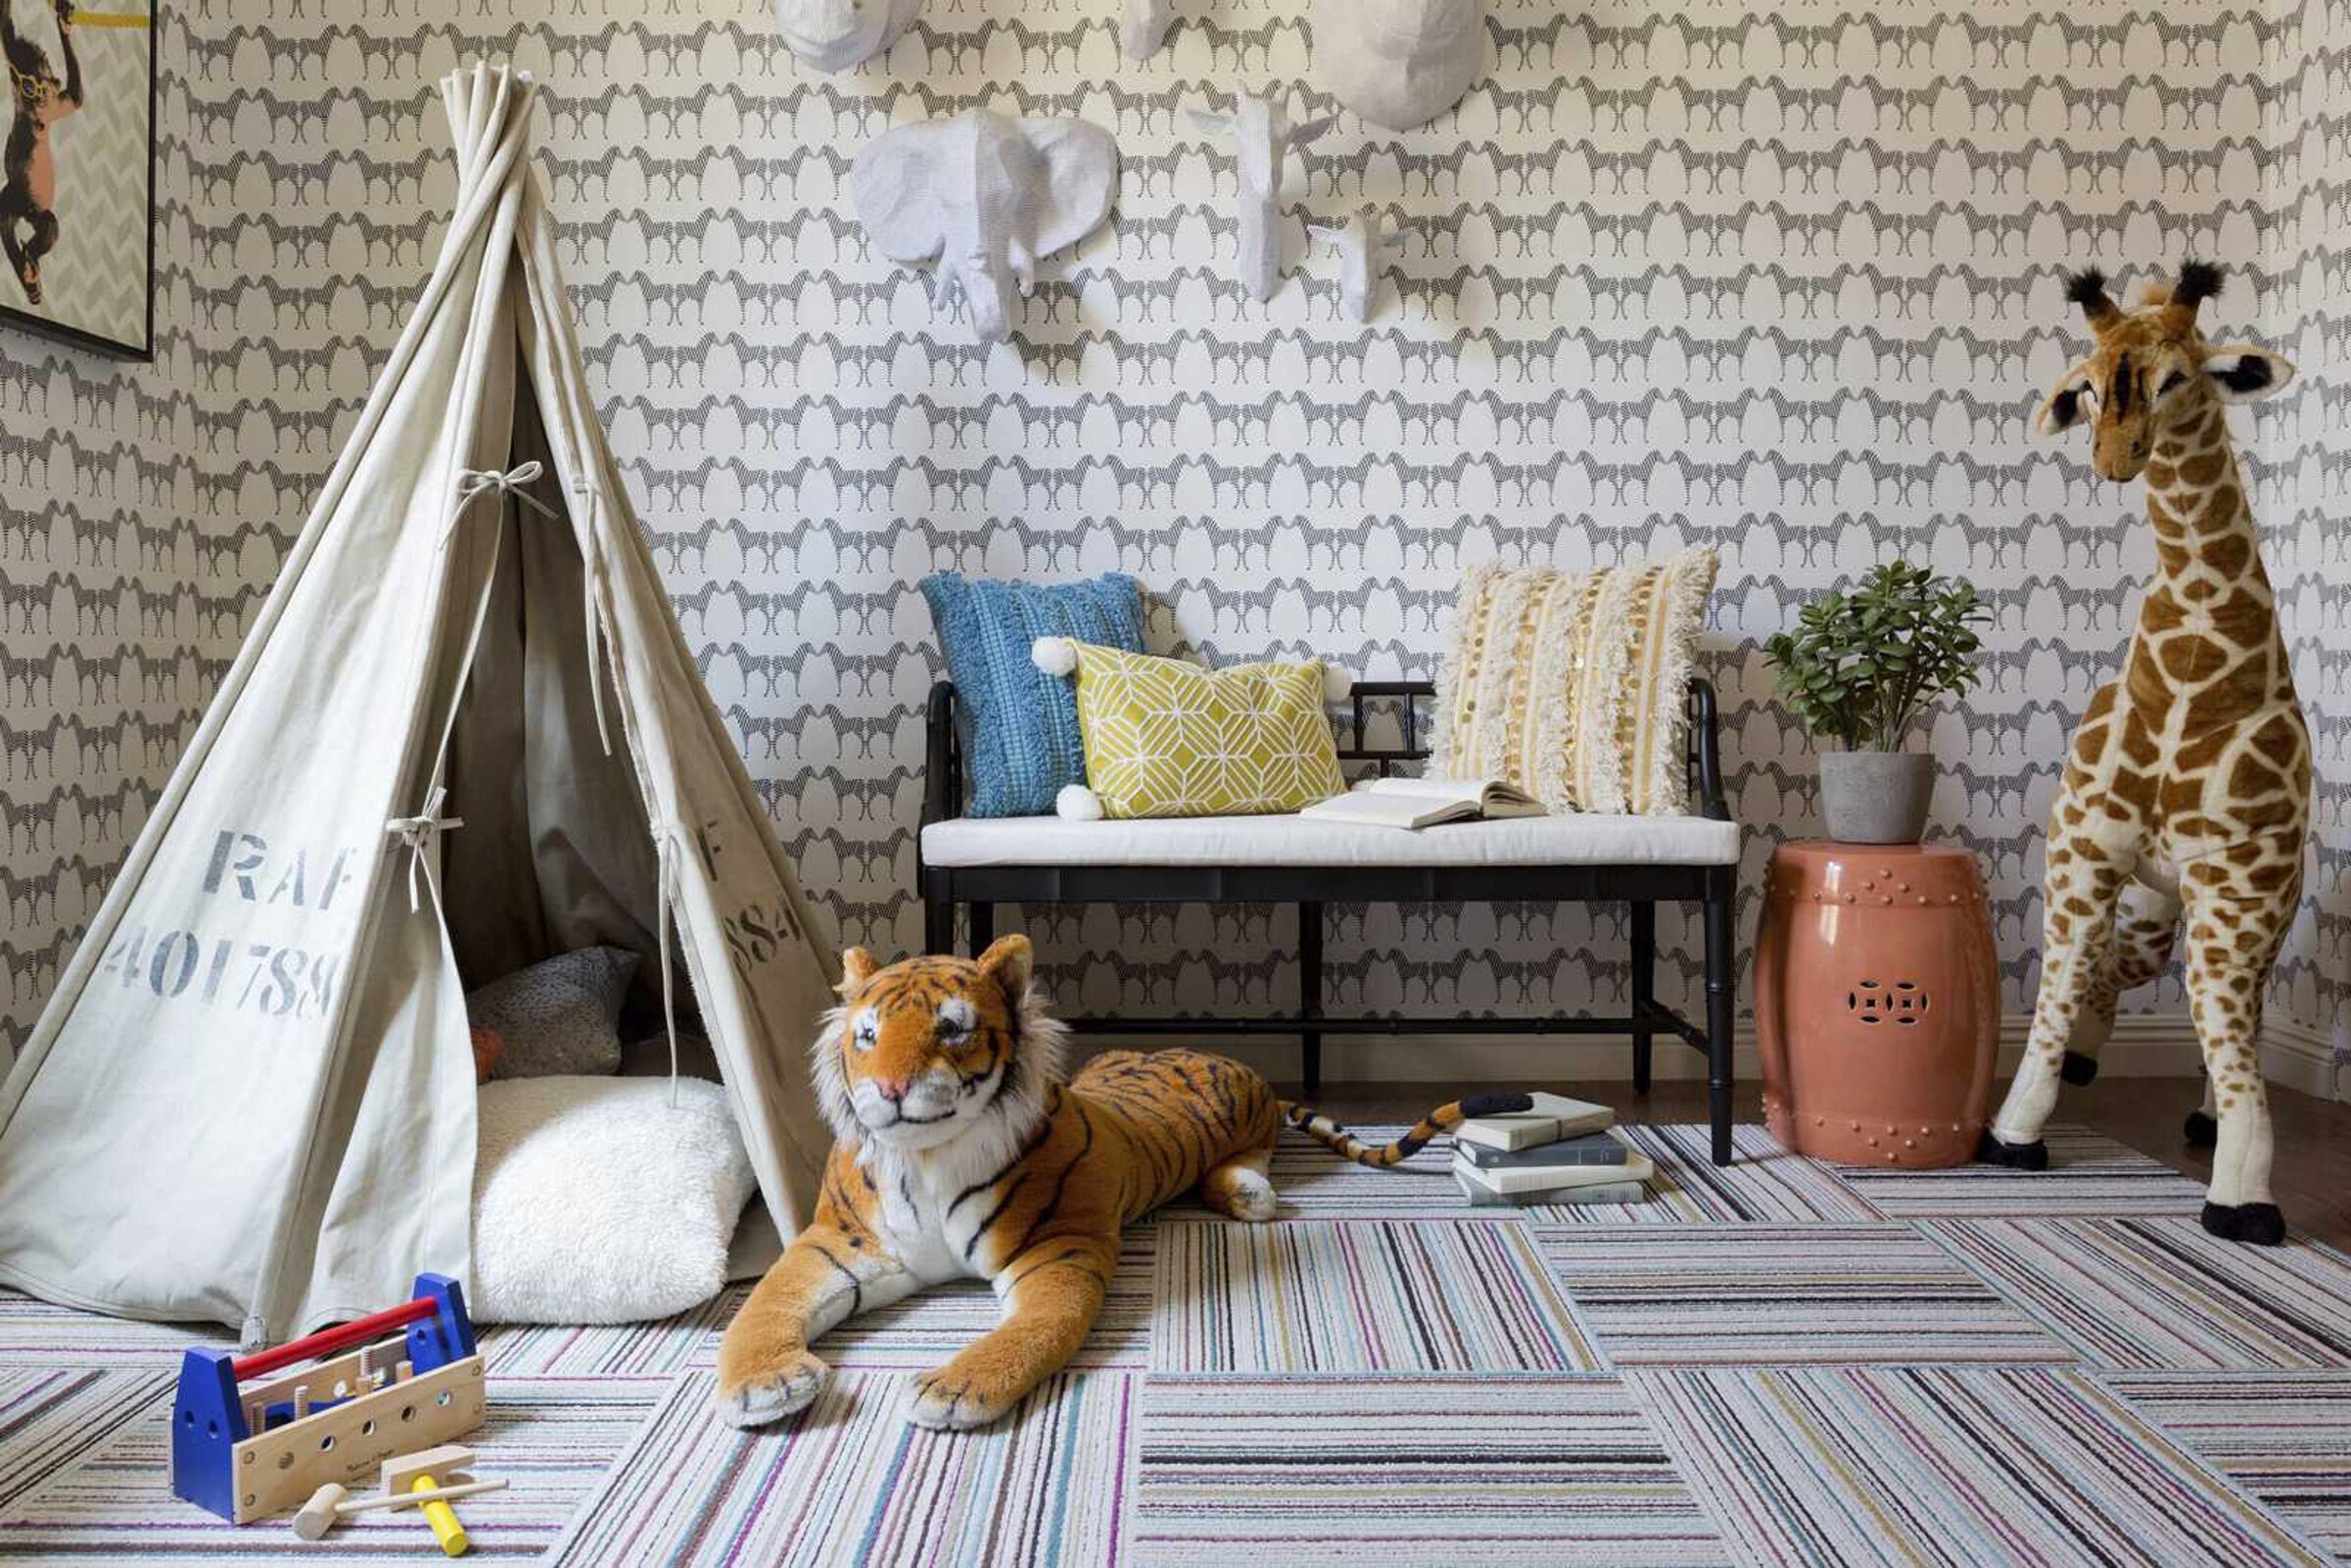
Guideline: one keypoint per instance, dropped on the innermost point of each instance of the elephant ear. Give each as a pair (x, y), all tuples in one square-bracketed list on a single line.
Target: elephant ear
[(1080, 161), (898, 180)]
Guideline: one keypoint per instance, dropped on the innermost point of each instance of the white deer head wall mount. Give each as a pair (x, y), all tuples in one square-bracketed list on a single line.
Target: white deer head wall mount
[(981, 196), (834, 35), (1366, 244), (1145, 27), (1263, 136)]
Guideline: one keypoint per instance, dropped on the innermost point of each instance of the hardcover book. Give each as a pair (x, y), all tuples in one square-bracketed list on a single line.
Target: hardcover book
[(1552, 1118)]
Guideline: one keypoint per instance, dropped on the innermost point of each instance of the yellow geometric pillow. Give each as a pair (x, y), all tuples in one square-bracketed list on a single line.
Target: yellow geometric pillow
[(1164, 738)]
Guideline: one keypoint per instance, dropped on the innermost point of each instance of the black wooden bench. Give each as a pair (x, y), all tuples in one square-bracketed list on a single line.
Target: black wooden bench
[(978, 863)]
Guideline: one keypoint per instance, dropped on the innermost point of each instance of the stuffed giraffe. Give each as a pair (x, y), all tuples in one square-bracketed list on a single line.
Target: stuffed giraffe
[(2187, 787)]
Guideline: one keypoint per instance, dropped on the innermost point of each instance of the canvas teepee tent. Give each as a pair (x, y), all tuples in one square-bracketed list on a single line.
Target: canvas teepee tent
[(250, 1100)]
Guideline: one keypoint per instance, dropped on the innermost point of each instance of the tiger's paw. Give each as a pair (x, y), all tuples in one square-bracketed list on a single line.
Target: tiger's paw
[(764, 1398), (948, 1400)]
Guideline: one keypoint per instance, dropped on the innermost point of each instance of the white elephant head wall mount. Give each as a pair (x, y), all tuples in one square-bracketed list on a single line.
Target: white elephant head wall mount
[(834, 35), (1263, 136), (1145, 27), (1366, 244), (980, 197), (1399, 63)]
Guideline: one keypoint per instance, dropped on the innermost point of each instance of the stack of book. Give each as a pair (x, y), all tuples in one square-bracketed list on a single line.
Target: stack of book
[(1560, 1151)]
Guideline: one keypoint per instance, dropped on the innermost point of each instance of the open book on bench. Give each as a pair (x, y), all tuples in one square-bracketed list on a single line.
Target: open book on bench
[(1425, 802)]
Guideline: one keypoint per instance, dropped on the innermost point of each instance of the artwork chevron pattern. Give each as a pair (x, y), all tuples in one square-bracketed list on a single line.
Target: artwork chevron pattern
[(1780, 280)]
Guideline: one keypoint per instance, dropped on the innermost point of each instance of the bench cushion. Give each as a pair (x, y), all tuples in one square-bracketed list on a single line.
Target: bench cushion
[(1582, 839)]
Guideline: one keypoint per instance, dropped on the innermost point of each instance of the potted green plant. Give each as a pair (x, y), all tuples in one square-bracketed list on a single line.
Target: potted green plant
[(1863, 667)]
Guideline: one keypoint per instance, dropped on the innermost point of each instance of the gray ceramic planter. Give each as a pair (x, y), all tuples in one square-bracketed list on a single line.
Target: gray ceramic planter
[(1877, 796)]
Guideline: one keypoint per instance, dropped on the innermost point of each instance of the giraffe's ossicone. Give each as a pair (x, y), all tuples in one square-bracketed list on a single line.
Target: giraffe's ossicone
[(2186, 795)]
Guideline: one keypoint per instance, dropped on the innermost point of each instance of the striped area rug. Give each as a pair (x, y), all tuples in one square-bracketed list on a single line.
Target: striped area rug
[(1360, 1297), (1940, 1464), (2284, 1437), (2149, 1294), (852, 1481), (1781, 1362), (1750, 1295), (1458, 1469)]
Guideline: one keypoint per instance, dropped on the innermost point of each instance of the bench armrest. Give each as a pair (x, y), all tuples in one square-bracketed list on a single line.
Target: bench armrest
[(1705, 744)]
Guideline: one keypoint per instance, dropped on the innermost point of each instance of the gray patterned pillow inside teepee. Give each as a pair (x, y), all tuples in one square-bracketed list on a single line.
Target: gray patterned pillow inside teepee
[(560, 1016)]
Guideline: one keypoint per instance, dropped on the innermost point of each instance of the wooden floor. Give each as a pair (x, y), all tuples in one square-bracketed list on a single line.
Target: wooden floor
[(2311, 1178)]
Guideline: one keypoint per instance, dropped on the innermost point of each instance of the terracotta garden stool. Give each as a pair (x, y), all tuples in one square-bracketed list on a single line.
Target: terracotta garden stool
[(1876, 1002)]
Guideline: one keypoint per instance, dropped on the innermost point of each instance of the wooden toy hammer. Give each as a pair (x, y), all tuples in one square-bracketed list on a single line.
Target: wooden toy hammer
[(331, 1502), (425, 1474)]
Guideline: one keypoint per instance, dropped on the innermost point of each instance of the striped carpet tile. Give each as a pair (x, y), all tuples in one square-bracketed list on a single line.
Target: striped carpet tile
[(2284, 1437), (618, 1349), (1453, 1469), (849, 1479), (555, 1439), (929, 1326), (1360, 1296), (1315, 1183), (1758, 1295), (2088, 1173), (1969, 1467), (35, 1334), (2160, 1294), (1764, 1184), (50, 1417)]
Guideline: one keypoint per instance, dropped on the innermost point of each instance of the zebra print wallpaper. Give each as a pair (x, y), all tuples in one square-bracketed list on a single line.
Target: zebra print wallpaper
[(1782, 279)]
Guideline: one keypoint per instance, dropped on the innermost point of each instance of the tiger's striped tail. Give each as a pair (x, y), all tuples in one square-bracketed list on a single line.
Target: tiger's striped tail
[(1444, 1119)]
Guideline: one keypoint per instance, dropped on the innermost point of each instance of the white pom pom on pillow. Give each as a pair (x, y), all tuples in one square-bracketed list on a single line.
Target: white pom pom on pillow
[(1076, 804), (1055, 655)]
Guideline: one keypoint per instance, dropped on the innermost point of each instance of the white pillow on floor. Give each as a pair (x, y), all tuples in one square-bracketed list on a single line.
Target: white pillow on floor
[(596, 1201)]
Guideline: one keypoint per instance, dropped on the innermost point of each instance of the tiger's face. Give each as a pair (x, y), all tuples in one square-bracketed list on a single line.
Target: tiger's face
[(925, 1052)]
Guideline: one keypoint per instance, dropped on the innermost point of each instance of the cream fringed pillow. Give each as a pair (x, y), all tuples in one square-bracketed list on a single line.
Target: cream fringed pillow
[(1570, 685)]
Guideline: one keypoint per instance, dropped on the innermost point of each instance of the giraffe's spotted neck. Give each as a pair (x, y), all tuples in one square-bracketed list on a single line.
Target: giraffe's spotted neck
[(2208, 555)]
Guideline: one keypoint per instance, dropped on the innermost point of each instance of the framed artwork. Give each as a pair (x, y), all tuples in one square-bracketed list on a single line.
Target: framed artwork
[(77, 172)]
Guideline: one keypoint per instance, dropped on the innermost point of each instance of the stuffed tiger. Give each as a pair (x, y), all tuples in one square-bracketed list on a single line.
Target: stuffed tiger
[(959, 1153)]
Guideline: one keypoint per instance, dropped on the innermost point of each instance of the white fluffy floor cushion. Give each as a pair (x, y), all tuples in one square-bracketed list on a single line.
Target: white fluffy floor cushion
[(596, 1201)]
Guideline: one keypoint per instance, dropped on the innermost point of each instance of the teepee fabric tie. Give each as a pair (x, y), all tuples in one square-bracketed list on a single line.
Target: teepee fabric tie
[(418, 832)]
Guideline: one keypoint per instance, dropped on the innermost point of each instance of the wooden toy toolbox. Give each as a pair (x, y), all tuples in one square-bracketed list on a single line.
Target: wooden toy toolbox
[(247, 1453)]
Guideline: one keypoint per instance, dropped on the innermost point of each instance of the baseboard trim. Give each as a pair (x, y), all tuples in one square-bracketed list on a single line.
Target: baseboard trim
[(2297, 1056), (2145, 1045)]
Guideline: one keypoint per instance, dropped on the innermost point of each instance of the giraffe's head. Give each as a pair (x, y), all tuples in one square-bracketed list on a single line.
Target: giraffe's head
[(2151, 370)]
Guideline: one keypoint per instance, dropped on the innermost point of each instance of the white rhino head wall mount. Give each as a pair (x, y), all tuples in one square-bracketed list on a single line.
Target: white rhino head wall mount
[(980, 197), (834, 35)]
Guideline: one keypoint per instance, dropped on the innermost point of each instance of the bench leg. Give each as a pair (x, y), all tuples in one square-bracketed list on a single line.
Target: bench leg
[(1644, 988), (983, 927), (938, 922), (1309, 995), (1721, 1001)]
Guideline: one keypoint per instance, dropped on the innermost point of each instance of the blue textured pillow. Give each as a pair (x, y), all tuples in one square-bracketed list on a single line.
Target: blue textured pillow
[(1019, 733)]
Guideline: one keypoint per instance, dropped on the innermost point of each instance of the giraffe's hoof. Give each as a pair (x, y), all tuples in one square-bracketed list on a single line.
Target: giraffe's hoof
[(2032, 1156), (2077, 1068), (2259, 1223), (2200, 1131)]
